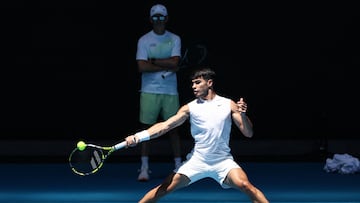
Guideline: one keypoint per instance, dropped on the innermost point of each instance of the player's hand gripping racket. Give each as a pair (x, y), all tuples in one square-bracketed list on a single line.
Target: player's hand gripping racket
[(87, 159)]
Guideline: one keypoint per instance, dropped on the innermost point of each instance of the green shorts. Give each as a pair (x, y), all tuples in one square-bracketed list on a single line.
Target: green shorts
[(157, 106)]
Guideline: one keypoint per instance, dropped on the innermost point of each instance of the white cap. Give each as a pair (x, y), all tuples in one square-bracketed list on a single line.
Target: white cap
[(158, 9)]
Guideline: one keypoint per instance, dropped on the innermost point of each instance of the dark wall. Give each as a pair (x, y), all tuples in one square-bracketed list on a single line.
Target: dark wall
[(69, 69)]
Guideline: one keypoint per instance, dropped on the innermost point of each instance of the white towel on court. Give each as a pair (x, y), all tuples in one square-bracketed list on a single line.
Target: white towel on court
[(342, 163)]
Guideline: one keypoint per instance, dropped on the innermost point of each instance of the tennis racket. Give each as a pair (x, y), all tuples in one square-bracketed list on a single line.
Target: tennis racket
[(193, 56), (89, 160)]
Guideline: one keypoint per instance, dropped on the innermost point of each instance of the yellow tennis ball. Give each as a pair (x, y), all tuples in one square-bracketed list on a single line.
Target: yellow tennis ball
[(81, 145)]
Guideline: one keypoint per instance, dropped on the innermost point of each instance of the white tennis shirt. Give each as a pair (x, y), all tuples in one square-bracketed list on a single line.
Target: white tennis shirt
[(210, 123)]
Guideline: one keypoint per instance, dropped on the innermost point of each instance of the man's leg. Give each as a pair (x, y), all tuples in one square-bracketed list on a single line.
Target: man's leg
[(144, 170)]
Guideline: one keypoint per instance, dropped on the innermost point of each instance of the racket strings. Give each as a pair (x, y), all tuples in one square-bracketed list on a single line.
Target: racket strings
[(95, 160), (194, 55), (87, 161), (90, 160)]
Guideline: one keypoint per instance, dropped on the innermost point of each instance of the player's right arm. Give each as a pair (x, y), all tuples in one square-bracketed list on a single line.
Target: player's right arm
[(160, 128)]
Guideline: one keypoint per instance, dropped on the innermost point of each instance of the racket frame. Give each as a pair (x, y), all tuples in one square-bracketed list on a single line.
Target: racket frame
[(105, 152)]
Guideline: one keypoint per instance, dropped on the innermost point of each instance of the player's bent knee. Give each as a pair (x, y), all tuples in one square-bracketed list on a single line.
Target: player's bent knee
[(245, 186)]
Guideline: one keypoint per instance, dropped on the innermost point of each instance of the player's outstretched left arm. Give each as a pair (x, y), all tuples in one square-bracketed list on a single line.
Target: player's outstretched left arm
[(240, 118), (160, 128)]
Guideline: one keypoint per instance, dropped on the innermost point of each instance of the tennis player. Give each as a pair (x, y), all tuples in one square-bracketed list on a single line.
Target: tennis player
[(211, 117)]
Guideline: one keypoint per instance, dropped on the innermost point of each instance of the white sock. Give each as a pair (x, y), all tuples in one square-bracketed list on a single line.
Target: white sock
[(144, 162)]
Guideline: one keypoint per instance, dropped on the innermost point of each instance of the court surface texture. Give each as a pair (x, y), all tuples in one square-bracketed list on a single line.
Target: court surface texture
[(282, 182)]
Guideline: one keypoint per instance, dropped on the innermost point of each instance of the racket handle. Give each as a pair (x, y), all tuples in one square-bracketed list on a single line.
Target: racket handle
[(120, 145), (166, 74)]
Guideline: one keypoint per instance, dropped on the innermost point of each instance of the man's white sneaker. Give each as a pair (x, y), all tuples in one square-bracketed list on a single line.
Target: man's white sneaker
[(144, 175)]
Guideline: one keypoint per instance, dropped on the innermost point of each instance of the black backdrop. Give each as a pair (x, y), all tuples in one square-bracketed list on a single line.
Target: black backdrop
[(69, 66)]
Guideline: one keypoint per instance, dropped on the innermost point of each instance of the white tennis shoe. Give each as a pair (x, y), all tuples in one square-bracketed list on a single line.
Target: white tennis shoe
[(144, 175)]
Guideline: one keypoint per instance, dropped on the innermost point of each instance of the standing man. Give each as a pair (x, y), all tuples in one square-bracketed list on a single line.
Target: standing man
[(158, 54)]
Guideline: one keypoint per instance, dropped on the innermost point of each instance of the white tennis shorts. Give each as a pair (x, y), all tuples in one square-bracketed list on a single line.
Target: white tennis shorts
[(196, 169)]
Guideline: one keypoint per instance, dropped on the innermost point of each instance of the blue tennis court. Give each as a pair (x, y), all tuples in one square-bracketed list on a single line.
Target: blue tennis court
[(282, 182)]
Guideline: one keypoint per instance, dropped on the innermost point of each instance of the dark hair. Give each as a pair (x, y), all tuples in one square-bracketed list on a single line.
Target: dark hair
[(204, 72)]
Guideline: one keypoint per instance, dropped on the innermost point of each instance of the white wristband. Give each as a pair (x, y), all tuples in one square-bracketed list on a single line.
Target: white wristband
[(143, 136)]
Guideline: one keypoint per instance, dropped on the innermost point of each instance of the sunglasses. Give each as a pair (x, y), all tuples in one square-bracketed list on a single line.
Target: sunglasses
[(156, 18)]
